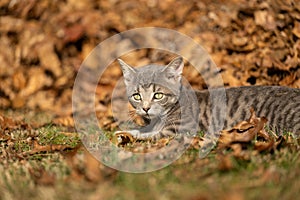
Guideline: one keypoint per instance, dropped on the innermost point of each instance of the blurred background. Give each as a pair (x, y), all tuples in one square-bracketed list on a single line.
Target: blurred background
[(44, 42)]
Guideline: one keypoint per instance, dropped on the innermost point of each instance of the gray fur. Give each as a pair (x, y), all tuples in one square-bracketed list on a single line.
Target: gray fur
[(184, 110)]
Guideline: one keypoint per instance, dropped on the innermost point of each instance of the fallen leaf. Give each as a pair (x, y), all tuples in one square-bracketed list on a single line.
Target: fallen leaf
[(73, 33), (123, 138), (244, 131), (9, 124), (265, 19), (263, 146), (64, 121), (37, 148), (296, 29), (48, 57), (197, 143), (244, 135)]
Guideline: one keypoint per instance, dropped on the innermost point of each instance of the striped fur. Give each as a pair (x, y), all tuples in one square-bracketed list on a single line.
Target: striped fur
[(280, 105), (183, 110)]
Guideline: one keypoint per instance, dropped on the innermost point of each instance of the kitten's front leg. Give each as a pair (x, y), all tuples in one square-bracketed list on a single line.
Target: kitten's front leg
[(139, 135)]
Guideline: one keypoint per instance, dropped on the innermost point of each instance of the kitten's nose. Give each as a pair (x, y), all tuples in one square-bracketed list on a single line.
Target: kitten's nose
[(146, 109)]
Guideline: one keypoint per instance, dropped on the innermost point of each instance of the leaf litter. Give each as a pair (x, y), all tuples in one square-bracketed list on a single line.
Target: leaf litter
[(245, 142), (253, 43), (21, 143), (246, 139)]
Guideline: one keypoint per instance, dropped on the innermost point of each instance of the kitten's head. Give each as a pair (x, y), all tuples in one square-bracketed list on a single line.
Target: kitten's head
[(153, 89)]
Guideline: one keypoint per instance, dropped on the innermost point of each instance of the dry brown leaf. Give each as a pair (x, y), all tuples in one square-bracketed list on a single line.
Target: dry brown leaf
[(64, 121), (243, 132), (48, 58), (9, 124), (107, 122), (230, 77), (18, 102), (4, 137), (6, 89), (240, 41), (163, 142), (241, 137), (249, 138), (19, 80), (296, 29), (265, 19), (263, 146), (4, 103), (10, 23), (197, 143), (73, 33), (37, 80), (37, 148), (238, 151), (44, 100), (122, 138)]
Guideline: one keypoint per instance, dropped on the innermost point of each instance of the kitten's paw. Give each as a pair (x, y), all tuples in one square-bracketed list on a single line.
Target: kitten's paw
[(136, 134), (133, 133)]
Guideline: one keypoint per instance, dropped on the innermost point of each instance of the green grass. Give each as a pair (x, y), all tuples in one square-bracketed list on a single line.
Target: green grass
[(269, 175), (48, 135), (264, 176), (53, 135)]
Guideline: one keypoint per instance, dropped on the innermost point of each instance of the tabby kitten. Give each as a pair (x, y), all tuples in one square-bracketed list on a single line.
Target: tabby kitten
[(169, 107)]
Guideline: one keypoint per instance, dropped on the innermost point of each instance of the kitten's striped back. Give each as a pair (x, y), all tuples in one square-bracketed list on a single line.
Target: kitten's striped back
[(280, 105)]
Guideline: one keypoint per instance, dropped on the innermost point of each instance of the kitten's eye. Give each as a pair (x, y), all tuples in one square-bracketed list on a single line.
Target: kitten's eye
[(137, 97), (158, 96)]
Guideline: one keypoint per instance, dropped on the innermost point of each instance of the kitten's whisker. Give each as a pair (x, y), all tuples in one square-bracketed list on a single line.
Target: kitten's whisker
[(131, 117)]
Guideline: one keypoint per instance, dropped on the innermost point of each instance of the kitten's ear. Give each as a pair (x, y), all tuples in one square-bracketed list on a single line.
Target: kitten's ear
[(176, 66), (128, 71)]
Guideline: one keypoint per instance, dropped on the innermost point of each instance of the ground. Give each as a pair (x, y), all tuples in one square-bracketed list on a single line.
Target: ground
[(43, 44)]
